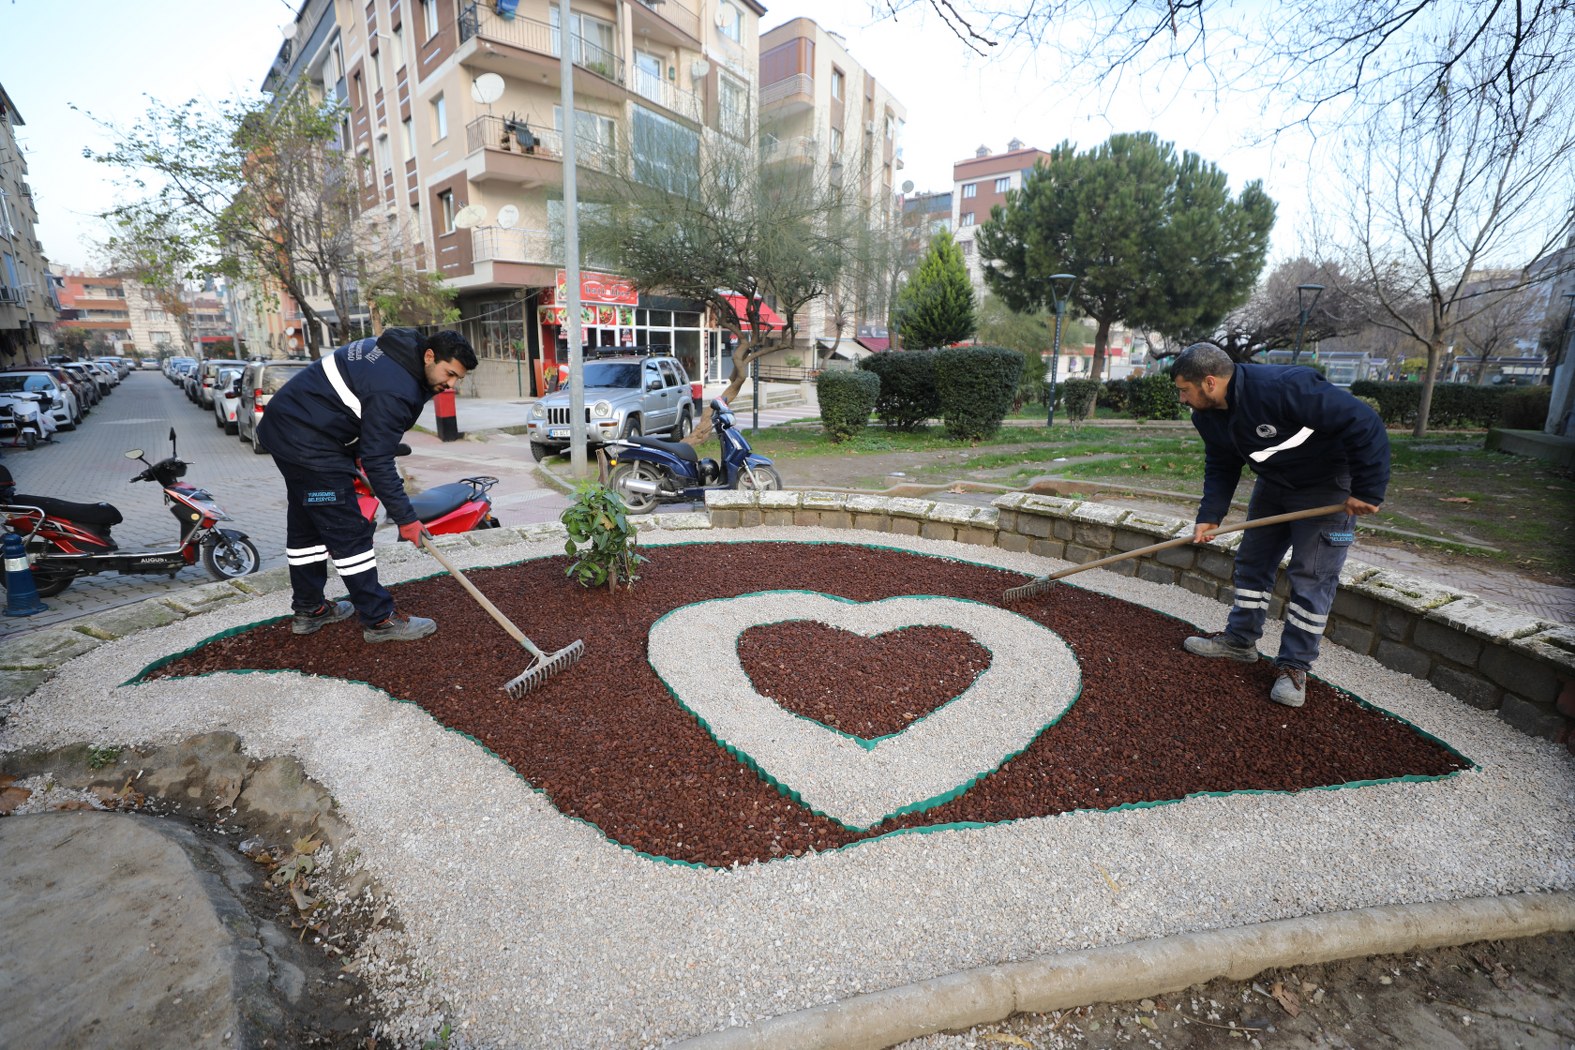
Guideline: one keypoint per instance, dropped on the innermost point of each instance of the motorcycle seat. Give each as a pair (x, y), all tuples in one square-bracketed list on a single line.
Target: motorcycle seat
[(99, 514), (444, 499), (672, 448)]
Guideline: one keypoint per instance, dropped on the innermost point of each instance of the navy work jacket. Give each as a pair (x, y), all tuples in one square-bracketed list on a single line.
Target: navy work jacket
[(1293, 427), (356, 402)]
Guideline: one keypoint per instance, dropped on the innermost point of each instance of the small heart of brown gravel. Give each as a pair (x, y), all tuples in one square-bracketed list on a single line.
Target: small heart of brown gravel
[(865, 687)]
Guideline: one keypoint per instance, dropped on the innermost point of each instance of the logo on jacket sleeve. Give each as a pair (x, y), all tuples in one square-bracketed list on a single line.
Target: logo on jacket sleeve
[(1266, 431)]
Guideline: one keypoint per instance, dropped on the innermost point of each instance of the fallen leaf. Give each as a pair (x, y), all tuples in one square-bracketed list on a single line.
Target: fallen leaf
[(7, 779), (1456, 499), (12, 797), (303, 902), (307, 846), (1003, 1037), (1148, 1022), (75, 804), (1286, 998)]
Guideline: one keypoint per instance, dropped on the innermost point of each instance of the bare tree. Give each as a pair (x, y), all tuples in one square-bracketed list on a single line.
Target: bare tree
[(1475, 174), (1270, 319), (1507, 319)]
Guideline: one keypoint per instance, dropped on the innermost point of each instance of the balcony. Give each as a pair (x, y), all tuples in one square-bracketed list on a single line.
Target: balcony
[(501, 45), (673, 16), (531, 247), (799, 150), (669, 96), (791, 95), (496, 154)]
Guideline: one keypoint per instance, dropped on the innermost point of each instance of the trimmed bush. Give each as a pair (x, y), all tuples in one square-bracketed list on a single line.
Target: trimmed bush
[(1079, 395), (1153, 397), (976, 385), (1113, 395), (908, 397), (1525, 407), (846, 401), (1453, 405)]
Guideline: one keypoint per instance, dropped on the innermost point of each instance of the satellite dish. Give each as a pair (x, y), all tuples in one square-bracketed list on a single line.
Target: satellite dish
[(725, 16), (508, 215), (487, 88), (699, 68), (907, 186), (470, 215)]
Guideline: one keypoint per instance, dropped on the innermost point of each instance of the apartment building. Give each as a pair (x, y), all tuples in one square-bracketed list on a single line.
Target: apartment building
[(979, 184), (96, 306), (819, 106), (455, 108), (27, 309)]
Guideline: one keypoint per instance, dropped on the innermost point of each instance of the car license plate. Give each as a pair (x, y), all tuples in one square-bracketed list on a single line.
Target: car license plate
[(558, 432)]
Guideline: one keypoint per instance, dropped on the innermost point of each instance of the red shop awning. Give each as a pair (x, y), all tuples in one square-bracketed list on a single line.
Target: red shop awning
[(769, 318)]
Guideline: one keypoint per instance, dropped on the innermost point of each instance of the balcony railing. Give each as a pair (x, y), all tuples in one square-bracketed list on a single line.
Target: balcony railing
[(531, 35), (495, 244), (487, 131), (668, 95), (679, 14), (800, 147), (797, 84)]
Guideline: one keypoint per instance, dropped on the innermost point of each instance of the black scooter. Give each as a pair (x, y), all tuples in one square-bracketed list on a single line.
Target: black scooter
[(649, 471)]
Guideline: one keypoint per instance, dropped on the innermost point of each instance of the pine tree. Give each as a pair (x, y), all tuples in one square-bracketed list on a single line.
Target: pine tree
[(936, 307)]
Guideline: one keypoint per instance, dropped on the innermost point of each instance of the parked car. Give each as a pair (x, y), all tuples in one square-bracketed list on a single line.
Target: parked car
[(625, 396), (260, 381), (119, 364), (106, 371), (94, 386), (175, 368), (63, 406), (208, 375), (226, 398), (148, 362)]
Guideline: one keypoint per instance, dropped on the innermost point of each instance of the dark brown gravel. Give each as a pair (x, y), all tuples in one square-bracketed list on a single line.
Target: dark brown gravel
[(609, 745)]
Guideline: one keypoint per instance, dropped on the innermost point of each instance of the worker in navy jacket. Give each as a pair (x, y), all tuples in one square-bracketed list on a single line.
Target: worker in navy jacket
[(355, 403), (1311, 444)]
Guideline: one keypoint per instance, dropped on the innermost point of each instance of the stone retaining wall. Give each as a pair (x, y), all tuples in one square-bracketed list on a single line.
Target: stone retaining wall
[(1488, 656)]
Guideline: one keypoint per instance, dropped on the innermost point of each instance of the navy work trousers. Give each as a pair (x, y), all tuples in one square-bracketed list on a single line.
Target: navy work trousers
[(1318, 548), (323, 522)]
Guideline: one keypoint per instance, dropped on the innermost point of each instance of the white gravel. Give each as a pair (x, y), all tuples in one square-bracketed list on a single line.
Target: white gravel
[(525, 928)]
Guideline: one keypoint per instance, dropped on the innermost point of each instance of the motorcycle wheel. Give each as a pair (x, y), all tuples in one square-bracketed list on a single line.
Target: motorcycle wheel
[(48, 583), (766, 479), (29, 440), (228, 557), (637, 502)]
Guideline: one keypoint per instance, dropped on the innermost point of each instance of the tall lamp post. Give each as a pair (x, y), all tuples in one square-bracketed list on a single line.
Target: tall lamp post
[(1060, 293), (1306, 298)]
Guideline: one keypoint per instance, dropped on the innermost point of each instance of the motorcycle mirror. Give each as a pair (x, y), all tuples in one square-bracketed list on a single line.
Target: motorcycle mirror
[(173, 453), (135, 453)]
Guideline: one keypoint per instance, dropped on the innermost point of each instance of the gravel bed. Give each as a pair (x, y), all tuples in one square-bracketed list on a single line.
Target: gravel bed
[(528, 928)]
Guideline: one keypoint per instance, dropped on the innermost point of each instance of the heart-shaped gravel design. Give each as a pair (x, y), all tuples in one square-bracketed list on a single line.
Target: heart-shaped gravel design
[(897, 677)]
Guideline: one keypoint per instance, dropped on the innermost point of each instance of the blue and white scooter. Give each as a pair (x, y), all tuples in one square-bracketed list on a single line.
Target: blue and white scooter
[(649, 471)]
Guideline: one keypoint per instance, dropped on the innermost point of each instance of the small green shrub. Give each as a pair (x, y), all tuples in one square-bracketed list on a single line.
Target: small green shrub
[(1153, 397), (1525, 407), (846, 401), (1079, 396), (908, 397), (602, 540), (1113, 395), (1453, 404), (976, 385)]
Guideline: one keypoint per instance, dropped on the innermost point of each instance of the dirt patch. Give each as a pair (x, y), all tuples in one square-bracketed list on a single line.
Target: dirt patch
[(608, 744)]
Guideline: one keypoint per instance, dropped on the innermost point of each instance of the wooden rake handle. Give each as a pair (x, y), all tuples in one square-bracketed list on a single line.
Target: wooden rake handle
[(1180, 541), (481, 599)]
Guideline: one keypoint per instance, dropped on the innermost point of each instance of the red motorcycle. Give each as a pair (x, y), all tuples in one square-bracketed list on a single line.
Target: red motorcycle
[(65, 540), (459, 506)]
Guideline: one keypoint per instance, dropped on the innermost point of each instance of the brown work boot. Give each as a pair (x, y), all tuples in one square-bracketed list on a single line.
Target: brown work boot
[(1290, 687)]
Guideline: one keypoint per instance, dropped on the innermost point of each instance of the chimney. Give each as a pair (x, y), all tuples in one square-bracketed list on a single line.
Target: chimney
[(982, 151)]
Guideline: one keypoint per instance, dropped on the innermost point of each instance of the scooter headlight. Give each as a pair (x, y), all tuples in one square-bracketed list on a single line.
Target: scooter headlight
[(537, 412), (601, 409)]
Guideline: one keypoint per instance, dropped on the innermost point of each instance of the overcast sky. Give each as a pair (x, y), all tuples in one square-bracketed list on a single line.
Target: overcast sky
[(106, 56)]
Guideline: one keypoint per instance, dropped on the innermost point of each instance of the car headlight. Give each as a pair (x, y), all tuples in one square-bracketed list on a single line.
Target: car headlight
[(602, 409), (537, 412)]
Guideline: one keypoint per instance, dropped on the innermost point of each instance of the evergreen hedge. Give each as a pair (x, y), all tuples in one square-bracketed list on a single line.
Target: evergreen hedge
[(1079, 395), (976, 386), (1113, 395), (1153, 397), (1453, 405), (846, 401), (908, 395)]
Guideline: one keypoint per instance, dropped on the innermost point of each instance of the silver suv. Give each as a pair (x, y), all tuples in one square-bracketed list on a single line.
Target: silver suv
[(625, 396)]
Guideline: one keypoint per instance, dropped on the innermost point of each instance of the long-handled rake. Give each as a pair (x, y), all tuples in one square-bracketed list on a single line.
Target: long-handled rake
[(1041, 584), (546, 665)]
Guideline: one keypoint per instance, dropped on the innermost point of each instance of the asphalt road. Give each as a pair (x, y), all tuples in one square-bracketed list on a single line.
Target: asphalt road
[(89, 464)]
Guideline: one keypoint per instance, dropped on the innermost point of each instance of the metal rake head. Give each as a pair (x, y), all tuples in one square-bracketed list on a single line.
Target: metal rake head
[(1031, 589), (544, 668)]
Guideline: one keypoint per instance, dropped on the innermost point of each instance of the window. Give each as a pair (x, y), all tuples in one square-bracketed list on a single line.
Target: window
[(734, 106), (385, 160), (439, 119), (665, 152), (399, 47), (446, 203), (410, 138), (836, 144), (429, 15), (593, 41), (648, 76), (595, 136), (891, 128), (377, 71), (731, 21), (967, 219), (967, 248), (836, 83), (1003, 184), (970, 191)]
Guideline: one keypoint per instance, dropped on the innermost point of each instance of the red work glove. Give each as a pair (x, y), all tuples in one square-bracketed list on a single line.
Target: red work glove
[(412, 532)]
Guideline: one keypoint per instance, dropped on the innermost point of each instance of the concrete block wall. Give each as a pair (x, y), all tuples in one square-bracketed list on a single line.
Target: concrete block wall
[(1483, 654)]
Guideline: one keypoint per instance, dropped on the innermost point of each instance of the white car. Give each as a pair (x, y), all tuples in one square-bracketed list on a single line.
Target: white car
[(63, 407), (226, 398)]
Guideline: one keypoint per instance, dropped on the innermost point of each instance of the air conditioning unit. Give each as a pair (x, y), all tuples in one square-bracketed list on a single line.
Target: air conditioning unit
[(869, 127)]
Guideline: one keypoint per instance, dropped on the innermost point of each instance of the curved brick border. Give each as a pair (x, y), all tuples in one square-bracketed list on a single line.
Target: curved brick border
[(1488, 656)]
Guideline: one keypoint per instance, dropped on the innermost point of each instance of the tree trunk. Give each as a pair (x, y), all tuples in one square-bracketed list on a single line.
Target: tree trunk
[(1435, 354), (1101, 340)]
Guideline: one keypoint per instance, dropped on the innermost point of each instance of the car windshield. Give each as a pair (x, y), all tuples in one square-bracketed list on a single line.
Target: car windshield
[(13, 383), (613, 373), (274, 378)]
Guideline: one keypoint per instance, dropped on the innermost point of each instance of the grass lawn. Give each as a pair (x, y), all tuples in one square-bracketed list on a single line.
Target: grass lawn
[(1445, 486)]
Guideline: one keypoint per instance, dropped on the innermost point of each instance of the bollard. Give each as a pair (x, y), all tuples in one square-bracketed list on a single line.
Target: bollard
[(21, 593), (447, 425)]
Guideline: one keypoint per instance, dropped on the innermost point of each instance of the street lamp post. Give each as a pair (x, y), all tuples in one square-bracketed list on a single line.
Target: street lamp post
[(1060, 292), (1306, 298)]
